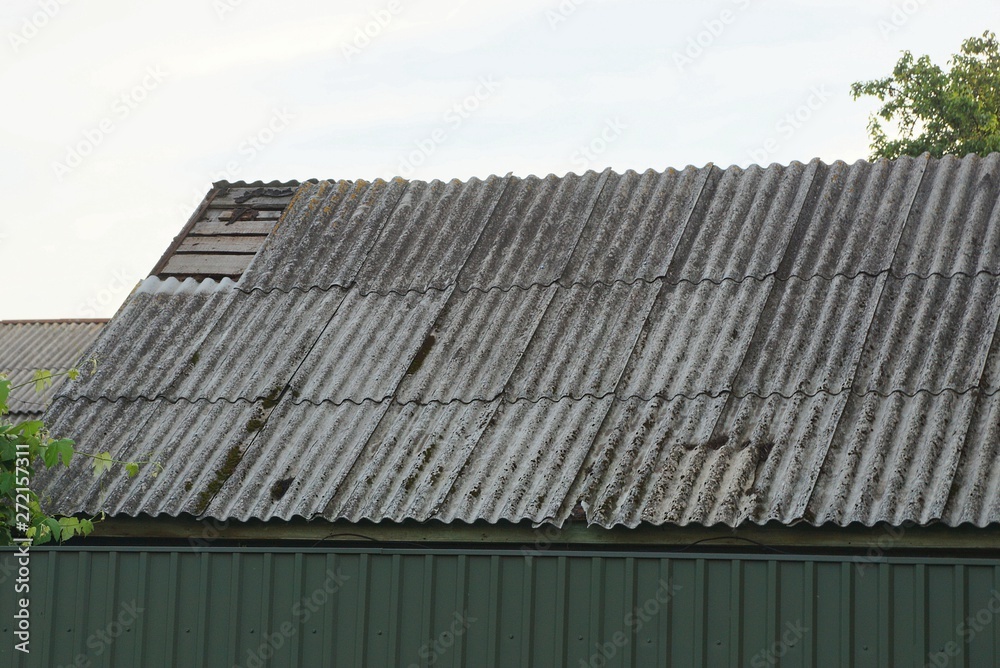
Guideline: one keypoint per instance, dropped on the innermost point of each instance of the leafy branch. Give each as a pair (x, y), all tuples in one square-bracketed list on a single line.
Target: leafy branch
[(928, 109), (22, 446)]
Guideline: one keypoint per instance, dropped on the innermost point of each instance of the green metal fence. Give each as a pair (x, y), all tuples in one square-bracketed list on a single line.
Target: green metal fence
[(386, 607)]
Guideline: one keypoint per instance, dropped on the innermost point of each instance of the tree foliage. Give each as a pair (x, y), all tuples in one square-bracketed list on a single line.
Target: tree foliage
[(22, 447), (25, 446), (927, 109)]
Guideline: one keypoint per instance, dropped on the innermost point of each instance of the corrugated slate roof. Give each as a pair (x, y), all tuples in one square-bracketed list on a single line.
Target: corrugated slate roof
[(27, 346), (804, 343)]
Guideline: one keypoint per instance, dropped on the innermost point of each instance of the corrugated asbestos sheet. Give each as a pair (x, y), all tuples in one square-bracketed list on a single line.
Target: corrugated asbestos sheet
[(533, 607), (812, 343), (27, 346)]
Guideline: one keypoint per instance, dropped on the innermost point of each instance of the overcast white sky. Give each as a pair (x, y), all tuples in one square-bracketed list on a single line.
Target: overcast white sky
[(120, 114)]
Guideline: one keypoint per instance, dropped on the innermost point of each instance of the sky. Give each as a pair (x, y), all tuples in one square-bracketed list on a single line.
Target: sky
[(120, 115)]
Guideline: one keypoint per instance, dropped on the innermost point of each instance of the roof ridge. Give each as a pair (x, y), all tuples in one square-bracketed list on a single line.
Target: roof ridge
[(632, 170)]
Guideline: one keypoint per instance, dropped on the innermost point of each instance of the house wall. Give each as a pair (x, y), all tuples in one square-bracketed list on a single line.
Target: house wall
[(385, 606)]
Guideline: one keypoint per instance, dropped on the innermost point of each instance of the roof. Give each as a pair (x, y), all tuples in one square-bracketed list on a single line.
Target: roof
[(226, 230), (804, 343), (27, 346)]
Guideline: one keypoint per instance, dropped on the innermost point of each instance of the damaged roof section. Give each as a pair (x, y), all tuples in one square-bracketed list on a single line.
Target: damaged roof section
[(226, 231), (803, 343)]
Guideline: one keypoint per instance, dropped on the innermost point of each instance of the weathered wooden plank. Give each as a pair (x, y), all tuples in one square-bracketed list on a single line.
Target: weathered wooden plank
[(249, 221), (251, 227), (221, 244), (206, 264), (265, 196), (246, 214)]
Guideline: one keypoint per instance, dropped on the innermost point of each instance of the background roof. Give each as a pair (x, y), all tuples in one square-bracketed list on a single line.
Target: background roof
[(30, 345), (808, 342)]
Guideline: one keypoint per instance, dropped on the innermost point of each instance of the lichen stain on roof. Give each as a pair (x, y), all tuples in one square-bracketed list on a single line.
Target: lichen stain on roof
[(803, 343)]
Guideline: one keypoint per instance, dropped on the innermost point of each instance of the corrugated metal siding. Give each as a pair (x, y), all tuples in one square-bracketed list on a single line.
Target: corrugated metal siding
[(711, 346), (28, 346), (537, 607)]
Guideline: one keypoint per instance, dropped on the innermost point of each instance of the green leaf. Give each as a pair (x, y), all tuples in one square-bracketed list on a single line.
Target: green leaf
[(64, 450), (8, 449), (30, 428), (69, 527), (102, 462), (73, 374), (50, 456), (132, 469), (54, 530), (68, 523), (43, 380), (7, 481)]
